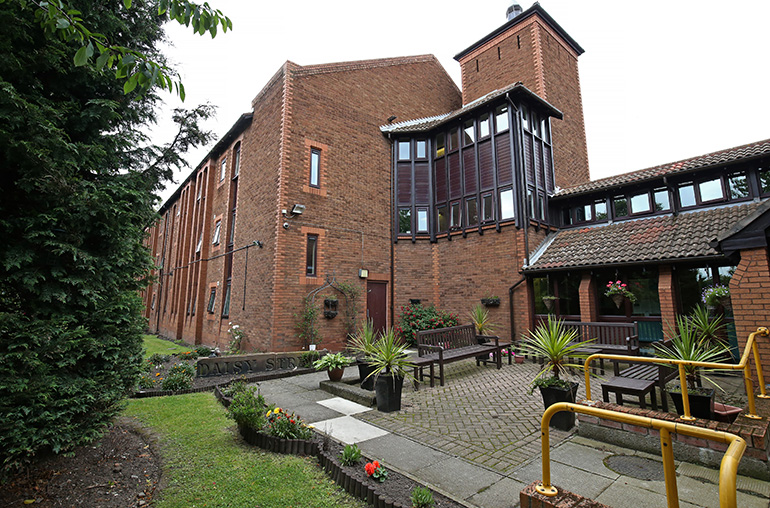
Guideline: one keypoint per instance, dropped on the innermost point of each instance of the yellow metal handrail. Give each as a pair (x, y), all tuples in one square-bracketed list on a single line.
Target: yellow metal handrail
[(751, 347), (728, 470)]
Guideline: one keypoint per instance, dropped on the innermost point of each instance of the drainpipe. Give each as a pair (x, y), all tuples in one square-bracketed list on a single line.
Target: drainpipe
[(393, 236), (510, 307)]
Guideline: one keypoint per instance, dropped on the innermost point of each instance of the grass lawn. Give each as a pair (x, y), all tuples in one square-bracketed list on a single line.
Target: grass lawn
[(207, 464), (153, 344)]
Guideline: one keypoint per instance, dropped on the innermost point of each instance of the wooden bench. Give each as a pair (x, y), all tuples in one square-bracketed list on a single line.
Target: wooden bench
[(638, 380), (608, 338), (446, 345)]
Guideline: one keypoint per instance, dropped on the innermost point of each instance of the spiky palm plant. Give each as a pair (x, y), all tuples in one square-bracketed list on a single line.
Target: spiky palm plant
[(480, 319), (556, 344)]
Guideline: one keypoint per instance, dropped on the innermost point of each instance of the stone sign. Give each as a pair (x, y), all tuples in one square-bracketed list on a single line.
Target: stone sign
[(247, 364)]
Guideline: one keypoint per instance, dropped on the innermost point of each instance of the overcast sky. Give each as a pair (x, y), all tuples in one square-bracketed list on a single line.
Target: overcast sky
[(661, 81)]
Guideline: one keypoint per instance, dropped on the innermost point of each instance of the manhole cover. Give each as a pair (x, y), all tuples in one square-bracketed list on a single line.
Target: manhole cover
[(635, 467)]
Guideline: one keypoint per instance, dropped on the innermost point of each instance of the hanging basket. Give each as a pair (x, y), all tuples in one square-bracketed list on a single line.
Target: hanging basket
[(618, 299), (548, 302)]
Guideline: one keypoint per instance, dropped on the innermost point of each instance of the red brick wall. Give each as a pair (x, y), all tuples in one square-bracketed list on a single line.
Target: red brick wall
[(667, 296), (748, 287), (589, 309), (455, 275), (534, 54)]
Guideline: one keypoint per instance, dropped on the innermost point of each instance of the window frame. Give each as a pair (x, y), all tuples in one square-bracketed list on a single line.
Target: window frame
[(223, 170), (211, 305), (216, 236), (422, 210), (311, 270), (315, 168)]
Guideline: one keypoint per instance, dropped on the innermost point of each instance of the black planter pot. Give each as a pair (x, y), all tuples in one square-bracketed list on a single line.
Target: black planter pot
[(701, 404), (364, 369), (387, 391), (563, 420)]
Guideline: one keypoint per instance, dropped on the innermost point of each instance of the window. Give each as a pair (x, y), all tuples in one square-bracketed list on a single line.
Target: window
[(226, 304), (215, 236), (487, 208), (212, 299), (231, 240), (237, 161), (223, 169), (545, 130), (455, 218), (484, 126), (422, 220), (453, 139), (687, 194), (422, 148), (621, 206), (660, 197), (200, 243), (440, 141), (567, 216), (738, 186), (583, 213), (403, 151), (535, 125), (471, 211), (600, 207), (525, 118), (764, 180), (469, 133), (442, 218), (404, 221), (541, 207), (506, 204), (315, 167), (711, 190), (640, 203), (530, 203), (312, 250), (501, 119)]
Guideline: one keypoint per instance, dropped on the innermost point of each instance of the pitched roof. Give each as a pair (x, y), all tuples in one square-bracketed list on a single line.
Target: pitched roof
[(743, 152), (426, 124), (663, 238)]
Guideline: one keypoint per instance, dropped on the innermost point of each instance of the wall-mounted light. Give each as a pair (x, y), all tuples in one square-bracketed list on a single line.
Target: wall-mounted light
[(363, 273), (297, 209)]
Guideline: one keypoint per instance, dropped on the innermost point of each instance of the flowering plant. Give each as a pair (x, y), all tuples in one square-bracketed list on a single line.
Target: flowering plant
[(376, 471), (619, 288), (712, 294), (414, 318), (236, 336), (286, 425)]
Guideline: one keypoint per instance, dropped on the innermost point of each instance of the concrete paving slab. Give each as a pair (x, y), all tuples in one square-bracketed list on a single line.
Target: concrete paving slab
[(599, 445), (502, 494), (402, 453), (620, 495), (459, 478), (573, 479), (744, 483), (583, 457), (344, 406), (348, 430), (706, 494), (312, 412)]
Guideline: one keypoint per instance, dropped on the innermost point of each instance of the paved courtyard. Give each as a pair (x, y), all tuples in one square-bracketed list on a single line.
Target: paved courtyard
[(477, 440)]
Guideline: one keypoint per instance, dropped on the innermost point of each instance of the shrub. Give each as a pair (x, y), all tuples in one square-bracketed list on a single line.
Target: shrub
[(177, 381), (148, 382), (203, 351), (332, 361), (158, 359), (308, 357), (350, 455), (185, 369), (422, 497), (248, 407), (187, 355), (415, 317), (286, 425)]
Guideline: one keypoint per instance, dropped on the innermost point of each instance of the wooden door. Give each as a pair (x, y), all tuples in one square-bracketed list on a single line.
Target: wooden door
[(376, 304)]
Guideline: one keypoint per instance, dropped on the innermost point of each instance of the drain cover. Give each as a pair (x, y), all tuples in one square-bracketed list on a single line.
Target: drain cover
[(635, 467)]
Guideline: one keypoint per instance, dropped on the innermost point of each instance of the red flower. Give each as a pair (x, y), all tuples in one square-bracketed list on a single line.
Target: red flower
[(369, 468)]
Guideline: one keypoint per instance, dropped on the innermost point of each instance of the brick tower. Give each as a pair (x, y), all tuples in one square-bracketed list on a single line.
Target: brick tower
[(532, 48)]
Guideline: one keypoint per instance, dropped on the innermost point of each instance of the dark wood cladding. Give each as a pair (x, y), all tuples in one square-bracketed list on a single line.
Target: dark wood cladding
[(441, 180), (404, 183), (486, 168), (548, 163), (529, 163), (538, 149), (503, 152), (421, 183), (469, 170), (455, 179)]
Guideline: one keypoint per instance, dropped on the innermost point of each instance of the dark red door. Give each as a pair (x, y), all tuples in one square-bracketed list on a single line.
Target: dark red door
[(376, 304)]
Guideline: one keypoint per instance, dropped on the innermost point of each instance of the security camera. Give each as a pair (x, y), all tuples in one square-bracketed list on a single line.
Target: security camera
[(285, 225)]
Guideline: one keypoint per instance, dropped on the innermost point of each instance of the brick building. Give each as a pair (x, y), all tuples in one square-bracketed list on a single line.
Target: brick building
[(383, 176)]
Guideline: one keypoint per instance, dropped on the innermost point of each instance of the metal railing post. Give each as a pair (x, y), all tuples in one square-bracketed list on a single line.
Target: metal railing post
[(545, 487), (669, 469), (685, 396)]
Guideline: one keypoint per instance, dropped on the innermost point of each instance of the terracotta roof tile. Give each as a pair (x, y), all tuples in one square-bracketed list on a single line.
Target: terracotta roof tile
[(687, 235), (749, 151)]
